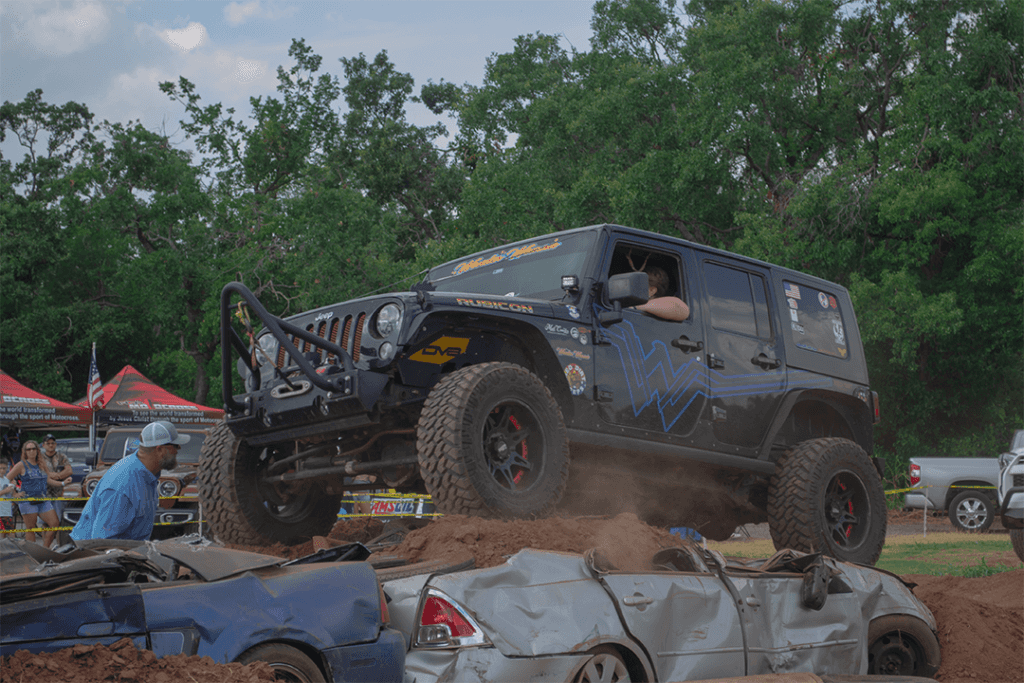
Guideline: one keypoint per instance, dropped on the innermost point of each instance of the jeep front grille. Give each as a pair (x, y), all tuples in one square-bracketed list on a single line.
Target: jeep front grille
[(1018, 480), (351, 332)]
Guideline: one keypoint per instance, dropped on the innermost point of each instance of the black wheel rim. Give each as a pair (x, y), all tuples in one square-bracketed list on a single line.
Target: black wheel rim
[(846, 510), (894, 654), (287, 503), (513, 446)]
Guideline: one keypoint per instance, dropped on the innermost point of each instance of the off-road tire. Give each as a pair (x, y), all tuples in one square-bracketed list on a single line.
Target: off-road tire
[(460, 440), (237, 512), (902, 645), (457, 564), (288, 663), (964, 510), (1017, 539), (812, 484)]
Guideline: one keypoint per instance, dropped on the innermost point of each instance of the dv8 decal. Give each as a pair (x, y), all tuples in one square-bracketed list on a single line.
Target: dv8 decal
[(654, 380)]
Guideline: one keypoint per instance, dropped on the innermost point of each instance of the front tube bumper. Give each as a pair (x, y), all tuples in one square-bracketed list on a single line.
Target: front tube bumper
[(230, 340)]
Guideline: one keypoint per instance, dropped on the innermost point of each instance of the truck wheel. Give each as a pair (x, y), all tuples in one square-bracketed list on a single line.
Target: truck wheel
[(971, 511), (1017, 539), (826, 496), (901, 645), (240, 508), (492, 442)]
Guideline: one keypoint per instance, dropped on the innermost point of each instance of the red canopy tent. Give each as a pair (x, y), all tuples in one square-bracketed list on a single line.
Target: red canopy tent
[(29, 409), (130, 398)]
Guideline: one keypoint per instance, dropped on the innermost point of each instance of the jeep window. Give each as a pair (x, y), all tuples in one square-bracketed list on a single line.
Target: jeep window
[(631, 258), (122, 443), (532, 270), (815, 321), (738, 301)]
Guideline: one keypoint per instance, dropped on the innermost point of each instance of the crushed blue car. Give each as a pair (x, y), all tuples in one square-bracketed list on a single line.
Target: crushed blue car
[(321, 617)]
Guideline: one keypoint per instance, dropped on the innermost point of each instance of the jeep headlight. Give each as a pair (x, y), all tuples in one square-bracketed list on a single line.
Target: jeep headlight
[(167, 488), (90, 486), (388, 320), (269, 345)]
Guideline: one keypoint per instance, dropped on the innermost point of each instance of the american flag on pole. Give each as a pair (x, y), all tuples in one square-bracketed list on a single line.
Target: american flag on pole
[(95, 388)]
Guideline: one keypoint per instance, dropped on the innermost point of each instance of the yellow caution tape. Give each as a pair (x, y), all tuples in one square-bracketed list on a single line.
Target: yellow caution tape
[(912, 488)]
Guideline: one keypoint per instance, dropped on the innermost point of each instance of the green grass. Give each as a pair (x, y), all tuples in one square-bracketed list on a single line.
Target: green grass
[(938, 554)]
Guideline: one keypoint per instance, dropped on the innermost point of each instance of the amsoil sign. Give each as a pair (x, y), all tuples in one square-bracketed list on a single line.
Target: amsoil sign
[(384, 506)]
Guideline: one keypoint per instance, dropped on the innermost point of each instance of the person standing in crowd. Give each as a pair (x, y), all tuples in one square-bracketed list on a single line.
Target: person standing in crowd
[(35, 475), (124, 504), (11, 445), (7, 490), (60, 467)]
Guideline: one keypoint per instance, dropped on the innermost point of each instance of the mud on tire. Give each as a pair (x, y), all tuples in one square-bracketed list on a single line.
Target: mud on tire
[(492, 442), (826, 496), (237, 508)]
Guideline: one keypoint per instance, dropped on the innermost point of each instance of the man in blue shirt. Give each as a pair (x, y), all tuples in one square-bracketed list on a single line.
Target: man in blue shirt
[(124, 504)]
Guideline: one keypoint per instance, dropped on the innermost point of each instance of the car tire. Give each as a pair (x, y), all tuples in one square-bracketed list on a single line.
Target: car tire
[(288, 663), (1017, 539), (472, 454), (826, 496), (901, 645), (240, 510), (605, 665), (457, 564), (971, 511)]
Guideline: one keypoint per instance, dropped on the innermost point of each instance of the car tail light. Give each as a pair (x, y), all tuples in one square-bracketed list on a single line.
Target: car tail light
[(443, 623), (915, 475)]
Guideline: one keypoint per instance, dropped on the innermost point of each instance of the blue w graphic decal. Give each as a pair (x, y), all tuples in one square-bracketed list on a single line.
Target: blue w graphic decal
[(652, 378)]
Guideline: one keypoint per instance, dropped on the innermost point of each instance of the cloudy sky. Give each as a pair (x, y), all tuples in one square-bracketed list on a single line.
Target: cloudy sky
[(111, 55)]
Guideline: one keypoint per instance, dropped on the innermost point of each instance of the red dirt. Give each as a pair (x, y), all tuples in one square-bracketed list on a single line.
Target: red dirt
[(981, 621)]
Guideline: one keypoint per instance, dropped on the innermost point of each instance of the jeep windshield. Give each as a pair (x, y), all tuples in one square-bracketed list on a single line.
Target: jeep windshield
[(531, 269)]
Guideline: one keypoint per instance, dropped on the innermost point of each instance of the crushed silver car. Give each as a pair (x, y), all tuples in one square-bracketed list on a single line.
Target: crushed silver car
[(547, 616)]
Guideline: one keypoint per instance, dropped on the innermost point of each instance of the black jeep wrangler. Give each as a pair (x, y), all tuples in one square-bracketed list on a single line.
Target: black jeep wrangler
[(521, 380)]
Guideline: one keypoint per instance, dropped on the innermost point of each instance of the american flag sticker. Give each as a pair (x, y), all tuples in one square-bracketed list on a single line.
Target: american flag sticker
[(792, 291)]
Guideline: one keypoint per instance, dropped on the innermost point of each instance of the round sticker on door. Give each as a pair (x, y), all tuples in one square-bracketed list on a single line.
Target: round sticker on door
[(577, 380), (823, 299)]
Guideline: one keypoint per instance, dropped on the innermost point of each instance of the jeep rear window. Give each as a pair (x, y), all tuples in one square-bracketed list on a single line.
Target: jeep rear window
[(815, 320), (528, 269), (118, 445)]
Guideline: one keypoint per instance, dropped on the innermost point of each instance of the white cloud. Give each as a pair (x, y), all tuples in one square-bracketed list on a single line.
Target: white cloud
[(186, 39), (61, 31), (236, 13)]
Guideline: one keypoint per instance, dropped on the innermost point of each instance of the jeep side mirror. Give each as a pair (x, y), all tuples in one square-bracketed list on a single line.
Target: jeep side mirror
[(624, 289)]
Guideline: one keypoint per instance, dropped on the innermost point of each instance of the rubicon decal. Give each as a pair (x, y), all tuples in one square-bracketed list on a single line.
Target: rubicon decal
[(495, 305), (441, 351)]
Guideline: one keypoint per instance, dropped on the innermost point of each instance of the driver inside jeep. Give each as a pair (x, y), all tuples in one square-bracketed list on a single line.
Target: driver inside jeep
[(659, 304)]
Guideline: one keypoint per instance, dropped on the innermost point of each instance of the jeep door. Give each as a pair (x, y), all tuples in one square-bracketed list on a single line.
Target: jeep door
[(650, 372), (746, 368)]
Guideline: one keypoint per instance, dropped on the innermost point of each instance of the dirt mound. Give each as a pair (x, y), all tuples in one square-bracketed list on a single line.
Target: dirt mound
[(626, 541), (981, 625), (122, 662)]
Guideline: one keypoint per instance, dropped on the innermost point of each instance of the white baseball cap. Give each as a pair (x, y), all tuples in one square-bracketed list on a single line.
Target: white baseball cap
[(161, 433)]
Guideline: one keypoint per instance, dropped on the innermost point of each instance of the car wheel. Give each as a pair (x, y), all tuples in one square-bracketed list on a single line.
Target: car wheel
[(242, 508), (826, 496), (288, 663), (492, 442), (971, 511), (457, 564), (900, 645), (604, 666), (1017, 539)]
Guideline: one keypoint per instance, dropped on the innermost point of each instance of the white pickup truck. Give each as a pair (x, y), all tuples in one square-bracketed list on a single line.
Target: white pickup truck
[(965, 487), (1011, 492)]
